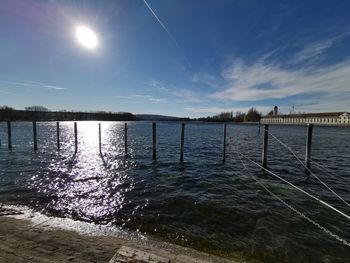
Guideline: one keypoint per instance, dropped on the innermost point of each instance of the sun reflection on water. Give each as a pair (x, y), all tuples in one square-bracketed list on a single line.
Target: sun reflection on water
[(84, 186)]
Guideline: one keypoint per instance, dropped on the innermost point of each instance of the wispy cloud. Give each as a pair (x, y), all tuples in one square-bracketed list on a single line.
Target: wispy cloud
[(324, 103), (311, 86), (263, 80), (156, 100), (32, 84), (141, 98), (52, 87), (314, 51), (270, 78), (184, 94), (205, 78), (121, 97), (216, 110), (7, 93)]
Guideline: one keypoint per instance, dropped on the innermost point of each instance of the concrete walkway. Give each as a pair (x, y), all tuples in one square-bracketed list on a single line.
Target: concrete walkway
[(20, 242)]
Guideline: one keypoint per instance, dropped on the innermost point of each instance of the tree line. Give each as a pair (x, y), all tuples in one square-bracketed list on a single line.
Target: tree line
[(40, 113), (251, 116)]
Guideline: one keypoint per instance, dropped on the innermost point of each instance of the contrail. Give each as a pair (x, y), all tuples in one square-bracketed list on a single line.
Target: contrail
[(167, 31)]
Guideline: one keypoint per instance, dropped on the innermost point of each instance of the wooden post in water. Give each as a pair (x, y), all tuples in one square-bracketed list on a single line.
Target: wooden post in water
[(9, 137), (75, 138), (308, 146), (58, 135), (224, 146), (265, 144), (35, 136), (154, 139), (99, 138), (182, 142), (126, 139)]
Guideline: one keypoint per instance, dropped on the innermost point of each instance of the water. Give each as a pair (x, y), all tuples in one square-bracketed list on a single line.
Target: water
[(201, 204)]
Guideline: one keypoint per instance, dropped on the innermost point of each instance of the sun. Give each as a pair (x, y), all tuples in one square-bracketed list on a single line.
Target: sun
[(86, 37)]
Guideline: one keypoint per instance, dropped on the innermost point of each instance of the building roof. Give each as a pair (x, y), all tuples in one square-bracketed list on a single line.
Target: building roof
[(308, 115)]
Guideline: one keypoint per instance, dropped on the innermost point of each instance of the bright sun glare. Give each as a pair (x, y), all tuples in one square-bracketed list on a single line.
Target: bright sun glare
[(86, 37)]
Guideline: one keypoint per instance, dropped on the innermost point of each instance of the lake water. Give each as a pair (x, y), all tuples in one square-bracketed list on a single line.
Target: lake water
[(204, 204)]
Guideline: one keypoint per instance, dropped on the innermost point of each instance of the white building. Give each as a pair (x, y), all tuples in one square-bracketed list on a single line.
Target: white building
[(327, 118)]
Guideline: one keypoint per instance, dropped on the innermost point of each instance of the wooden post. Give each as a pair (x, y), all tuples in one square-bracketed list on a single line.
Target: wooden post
[(154, 137), (265, 144), (182, 142), (58, 135), (75, 138), (99, 138), (35, 136), (126, 139), (308, 146), (224, 145), (9, 137)]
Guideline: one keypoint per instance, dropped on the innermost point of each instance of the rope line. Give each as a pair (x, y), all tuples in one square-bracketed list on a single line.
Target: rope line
[(314, 175), (325, 169), (340, 239), (296, 187)]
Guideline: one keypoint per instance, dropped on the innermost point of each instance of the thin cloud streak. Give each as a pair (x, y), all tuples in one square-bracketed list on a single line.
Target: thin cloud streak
[(181, 93), (217, 110), (324, 104), (140, 98), (8, 93), (312, 52), (52, 87), (205, 78), (32, 84)]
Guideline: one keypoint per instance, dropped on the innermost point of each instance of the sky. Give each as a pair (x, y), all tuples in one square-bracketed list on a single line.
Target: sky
[(180, 58)]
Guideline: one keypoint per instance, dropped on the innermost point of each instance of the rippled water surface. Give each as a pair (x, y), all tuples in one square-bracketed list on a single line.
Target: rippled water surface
[(202, 203)]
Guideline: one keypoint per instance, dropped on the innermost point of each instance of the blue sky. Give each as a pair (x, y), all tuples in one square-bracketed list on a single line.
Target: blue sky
[(198, 59)]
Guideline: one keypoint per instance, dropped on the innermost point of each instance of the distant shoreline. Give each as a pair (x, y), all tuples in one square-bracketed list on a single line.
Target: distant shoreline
[(24, 115)]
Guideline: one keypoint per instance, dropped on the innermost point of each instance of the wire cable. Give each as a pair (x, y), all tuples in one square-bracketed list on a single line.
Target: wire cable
[(314, 175), (342, 240), (296, 187)]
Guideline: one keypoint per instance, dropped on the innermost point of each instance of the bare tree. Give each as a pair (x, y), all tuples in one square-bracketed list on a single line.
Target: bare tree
[(36, 108)]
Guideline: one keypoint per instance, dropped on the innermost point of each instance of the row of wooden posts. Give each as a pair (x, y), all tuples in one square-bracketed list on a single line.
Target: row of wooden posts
[(154, 140)]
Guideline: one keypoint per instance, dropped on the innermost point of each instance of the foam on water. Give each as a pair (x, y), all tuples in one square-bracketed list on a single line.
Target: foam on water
[(38, 219)]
